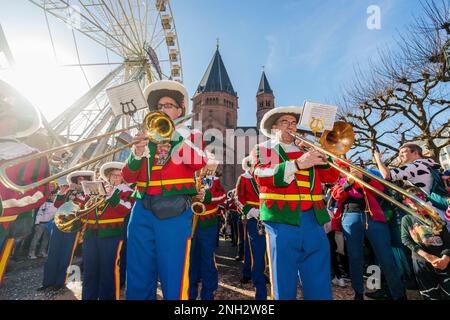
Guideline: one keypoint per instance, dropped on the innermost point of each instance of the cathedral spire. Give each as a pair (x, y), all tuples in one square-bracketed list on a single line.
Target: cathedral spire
[(264, 86), (216, 77)]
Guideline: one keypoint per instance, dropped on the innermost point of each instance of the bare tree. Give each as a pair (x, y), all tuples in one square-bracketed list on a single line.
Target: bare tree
[(405, 94)]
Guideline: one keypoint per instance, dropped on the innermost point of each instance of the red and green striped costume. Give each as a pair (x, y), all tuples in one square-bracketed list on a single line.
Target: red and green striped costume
[(285, 192), (214, 196), (176, 175), (247, 192), (108, 220), (15, 205)]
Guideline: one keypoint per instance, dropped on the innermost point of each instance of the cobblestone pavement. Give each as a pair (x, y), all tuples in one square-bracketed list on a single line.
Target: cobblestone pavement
[(24, 277)]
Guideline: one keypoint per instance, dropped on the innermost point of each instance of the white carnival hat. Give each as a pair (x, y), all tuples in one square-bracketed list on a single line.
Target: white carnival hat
[(14, 105), (80, 173), (174, 89), (272, 116), (247, 163), (114, 165)]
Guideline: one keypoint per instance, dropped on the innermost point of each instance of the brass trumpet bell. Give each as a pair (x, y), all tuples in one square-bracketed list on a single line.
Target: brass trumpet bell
[(66, 218), (339, 140), (159, 126), (69, 217), (198, 208)]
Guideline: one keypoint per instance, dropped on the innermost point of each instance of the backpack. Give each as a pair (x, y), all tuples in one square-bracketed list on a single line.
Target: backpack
[(439, 195)]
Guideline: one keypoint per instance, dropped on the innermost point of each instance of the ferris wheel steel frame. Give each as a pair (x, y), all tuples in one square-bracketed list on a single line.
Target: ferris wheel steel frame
[(131, 29)]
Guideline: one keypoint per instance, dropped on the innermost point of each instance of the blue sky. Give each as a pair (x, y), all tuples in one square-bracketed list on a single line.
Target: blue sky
[(308, 47)]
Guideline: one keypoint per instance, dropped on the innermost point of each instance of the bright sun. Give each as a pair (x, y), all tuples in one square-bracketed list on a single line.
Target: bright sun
[(38, 76)]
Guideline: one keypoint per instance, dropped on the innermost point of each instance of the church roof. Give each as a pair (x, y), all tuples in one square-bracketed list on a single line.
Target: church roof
[(264, 86), (216, 77)]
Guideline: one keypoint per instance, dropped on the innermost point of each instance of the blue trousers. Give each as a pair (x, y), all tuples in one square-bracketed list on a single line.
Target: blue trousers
[(202, 264), (299, 251), (353, 225), (157, 249), (247, 266), (59, 256), (233, 216), (240, 236), (101, 270), (257, 246), (123, 252)]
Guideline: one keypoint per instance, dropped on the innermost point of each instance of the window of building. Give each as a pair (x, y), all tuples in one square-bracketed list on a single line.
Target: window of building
[(228, 121)]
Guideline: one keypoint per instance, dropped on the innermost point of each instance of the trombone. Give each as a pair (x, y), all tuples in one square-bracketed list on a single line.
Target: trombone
[(337, 142), (158, 126), (69, 217)]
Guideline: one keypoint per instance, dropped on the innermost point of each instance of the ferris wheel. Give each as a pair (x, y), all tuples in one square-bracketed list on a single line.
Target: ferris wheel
[(143, 34)]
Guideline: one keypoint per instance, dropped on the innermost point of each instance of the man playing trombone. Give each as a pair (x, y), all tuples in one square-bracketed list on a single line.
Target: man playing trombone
[(292, 208), (160, 224)]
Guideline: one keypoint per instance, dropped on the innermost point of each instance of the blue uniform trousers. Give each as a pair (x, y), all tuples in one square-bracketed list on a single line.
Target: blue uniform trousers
[(240, 237), (202, 264), (257, 248), (247, 266), (101, 270), (299, 251), (123, 252), (59, 257), (353, 225), (157, 249)]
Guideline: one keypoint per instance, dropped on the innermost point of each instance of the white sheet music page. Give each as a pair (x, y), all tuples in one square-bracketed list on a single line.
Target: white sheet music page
[(319, 115), (126, 98)]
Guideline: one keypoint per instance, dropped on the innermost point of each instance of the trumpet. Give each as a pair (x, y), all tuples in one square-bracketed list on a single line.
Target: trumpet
[(158, 126), (69, 217), (337, 142)]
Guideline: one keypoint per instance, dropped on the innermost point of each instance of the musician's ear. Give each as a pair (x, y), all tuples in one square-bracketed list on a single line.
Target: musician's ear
[(179, 112)]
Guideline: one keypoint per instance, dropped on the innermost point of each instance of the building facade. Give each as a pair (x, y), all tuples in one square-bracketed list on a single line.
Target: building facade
[(215, 106)]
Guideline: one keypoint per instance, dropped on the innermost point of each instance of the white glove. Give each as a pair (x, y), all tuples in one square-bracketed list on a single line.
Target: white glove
[(253, 213)]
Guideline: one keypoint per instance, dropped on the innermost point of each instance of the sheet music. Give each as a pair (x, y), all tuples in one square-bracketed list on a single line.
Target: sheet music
[(313, 112), (93, 188), (126, 98)]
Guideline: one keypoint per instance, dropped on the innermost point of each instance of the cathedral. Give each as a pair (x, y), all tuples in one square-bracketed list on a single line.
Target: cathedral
[(215, 105)]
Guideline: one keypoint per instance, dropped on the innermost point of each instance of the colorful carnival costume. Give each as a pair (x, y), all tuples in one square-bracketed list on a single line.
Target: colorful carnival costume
[(15, 207), (161, 219), (203, 266), (293, 211), (62, 244), (248, 196), (103, 240)]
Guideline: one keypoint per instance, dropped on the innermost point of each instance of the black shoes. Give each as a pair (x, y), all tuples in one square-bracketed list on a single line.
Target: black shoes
[(358, 296), (245, 280), (379, 294), (51, 288), (43, 288)]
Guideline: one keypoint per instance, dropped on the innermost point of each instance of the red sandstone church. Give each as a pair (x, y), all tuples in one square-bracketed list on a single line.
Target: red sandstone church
[(215, 104)]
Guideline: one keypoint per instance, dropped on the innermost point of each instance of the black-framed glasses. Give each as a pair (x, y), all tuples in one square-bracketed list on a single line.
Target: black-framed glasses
[(167, 106)]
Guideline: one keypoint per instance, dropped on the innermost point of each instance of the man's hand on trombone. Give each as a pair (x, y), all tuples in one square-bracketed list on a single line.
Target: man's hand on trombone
[(141, 142), (311, 159)]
